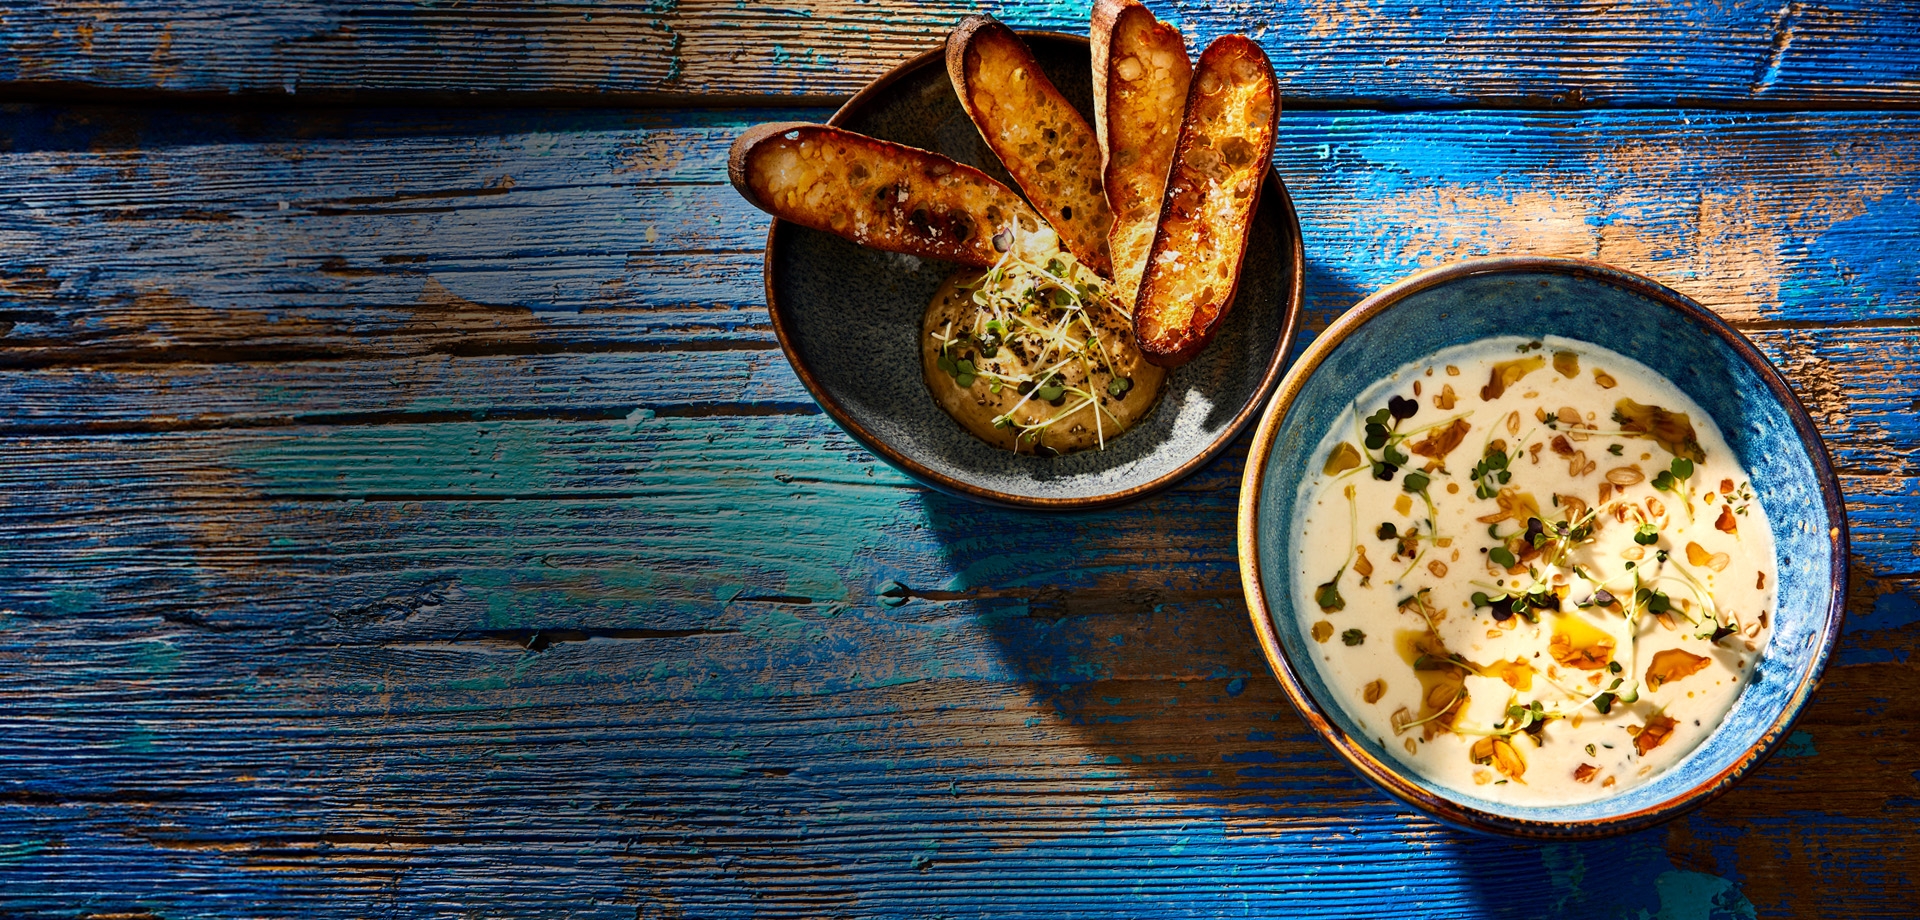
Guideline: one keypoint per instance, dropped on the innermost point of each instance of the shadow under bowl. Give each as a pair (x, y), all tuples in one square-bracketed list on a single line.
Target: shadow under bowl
[(1765, 426), (848, 319)]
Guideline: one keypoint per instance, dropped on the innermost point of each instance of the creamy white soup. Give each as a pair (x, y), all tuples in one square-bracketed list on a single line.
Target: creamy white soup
[(1532, 569)]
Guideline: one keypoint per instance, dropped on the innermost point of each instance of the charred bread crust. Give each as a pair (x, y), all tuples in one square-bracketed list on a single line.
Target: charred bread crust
[(1212, 194), (1140, 80), (1051, 152), (876, 193)]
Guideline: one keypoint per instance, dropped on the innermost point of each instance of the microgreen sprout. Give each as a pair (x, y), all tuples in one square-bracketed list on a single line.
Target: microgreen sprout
[(1490, 474)]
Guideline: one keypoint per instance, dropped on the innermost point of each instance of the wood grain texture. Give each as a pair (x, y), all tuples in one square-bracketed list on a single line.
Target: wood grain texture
[(1400, 52), (454, 540), (163, 237)]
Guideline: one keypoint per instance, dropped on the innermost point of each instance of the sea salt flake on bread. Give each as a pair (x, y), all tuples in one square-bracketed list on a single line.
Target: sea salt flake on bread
[(1051, 152), (1213, 190), (1140, 81), (876, 193)]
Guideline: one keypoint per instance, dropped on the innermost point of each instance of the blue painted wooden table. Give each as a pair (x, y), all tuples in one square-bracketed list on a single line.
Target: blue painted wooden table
[(407, 511)]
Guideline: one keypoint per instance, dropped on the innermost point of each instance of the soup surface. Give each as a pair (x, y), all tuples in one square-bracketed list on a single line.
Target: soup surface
[(1532, 570)]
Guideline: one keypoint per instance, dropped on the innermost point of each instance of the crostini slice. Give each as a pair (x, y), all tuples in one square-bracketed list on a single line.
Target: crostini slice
[(876, 193), (1051, 152), (1213, 191), (1140, 79)]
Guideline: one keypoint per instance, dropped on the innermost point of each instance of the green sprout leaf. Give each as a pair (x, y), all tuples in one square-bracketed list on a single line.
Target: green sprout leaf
[(1328, 596), (1646, 535), (1415, 482), (1501, 557), (1353, 637)]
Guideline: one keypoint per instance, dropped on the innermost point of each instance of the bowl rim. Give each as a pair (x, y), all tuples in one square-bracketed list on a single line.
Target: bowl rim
[(1386, 776), (1294, 250)]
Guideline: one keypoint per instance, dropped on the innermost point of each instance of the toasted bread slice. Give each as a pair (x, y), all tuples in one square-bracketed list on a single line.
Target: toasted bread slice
[(874, 192), (1050, 151), (1140, 78), (1213, 190)]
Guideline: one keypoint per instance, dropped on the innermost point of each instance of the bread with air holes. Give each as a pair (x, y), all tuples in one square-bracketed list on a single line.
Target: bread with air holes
[(1213, 190), (874, 192), (1051, 152), (1140, 79)]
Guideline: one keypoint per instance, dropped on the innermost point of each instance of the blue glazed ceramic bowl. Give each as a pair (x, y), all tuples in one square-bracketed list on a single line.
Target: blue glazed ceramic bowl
[(848, 319), (1764, 424)]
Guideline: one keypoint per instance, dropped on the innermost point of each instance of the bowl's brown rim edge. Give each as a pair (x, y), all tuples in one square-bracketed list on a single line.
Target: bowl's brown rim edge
[(1275, 188), (1385, 776)]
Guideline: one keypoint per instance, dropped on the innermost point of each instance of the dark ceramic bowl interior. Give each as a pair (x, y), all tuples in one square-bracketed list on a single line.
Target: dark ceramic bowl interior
[(849, 319), (1764, 424)]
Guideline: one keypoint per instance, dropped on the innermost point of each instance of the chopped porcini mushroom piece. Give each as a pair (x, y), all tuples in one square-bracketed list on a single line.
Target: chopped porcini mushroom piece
[(1442, 442), (1582, 647), (1673, 664), (1604, 379), (1671, 430), (1373, 690), (1322, 631), (1725, 523), (1507, 373), (1567, 363), (1585, 773), (1655, 733)]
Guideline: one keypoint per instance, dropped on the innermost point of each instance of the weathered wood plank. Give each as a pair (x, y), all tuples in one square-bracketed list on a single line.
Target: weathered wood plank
[(380, 550), (354, 696), (1857, 379), (612, 231), (642, 523), (1396, 51)]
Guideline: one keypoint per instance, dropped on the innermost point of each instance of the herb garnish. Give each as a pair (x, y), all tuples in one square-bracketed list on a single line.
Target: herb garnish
[(1491, 473)]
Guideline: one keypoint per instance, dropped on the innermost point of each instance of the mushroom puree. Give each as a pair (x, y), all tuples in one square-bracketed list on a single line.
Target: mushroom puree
[(1033, 355), (1532, 569)]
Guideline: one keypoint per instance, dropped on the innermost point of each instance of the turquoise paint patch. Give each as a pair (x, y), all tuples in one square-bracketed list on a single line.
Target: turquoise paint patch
[(1798, 744), (13, 854), (73, 600), (157, 657), (1699, 896), (1566, 866), (140, 739)]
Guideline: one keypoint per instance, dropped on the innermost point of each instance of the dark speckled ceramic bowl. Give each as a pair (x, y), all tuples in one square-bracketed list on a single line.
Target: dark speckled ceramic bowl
[(849, 318), (1764, 424)]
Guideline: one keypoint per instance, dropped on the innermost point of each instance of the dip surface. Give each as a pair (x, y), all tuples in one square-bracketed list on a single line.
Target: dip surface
[(1532, 570), (1032, 355)]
